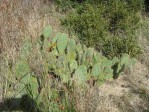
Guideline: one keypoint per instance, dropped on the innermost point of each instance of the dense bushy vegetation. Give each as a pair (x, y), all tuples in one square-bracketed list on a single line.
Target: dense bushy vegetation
[(107, 25)]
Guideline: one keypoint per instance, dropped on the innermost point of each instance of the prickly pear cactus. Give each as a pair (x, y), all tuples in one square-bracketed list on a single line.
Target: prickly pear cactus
[(73, 65), (71, 60), (66, 61), (21, 69), (47, 32), (71, 47), (45, 38), (80, 75), (119, 65), (97, 70), (76, 61), (62, 43)]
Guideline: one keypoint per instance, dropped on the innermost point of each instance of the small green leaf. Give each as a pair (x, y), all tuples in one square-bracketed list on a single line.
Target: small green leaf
[(73, 65), (109, 76), (125, 59), (78, 48), (62, 43), (107, 63), (133, 61), (89, 53), (22, 69), (25, 79), (96, 71), (81, 74), (101, 76), (47, 31), (71, 45), (71, 55), (34, 86), (97, 58), (54, 40)]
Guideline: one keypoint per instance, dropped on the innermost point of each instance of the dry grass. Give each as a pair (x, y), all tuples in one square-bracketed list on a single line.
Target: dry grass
[(129, 93), (21, 19)]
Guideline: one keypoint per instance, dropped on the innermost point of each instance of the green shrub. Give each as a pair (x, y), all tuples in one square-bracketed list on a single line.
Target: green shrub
[(107, 24), (65, 5)]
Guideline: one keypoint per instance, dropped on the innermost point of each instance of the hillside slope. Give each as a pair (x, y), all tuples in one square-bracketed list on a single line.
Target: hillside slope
[(128, 93)]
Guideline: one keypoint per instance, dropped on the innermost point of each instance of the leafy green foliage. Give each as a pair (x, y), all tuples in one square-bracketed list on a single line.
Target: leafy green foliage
[(107, 25), (65, 5)]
